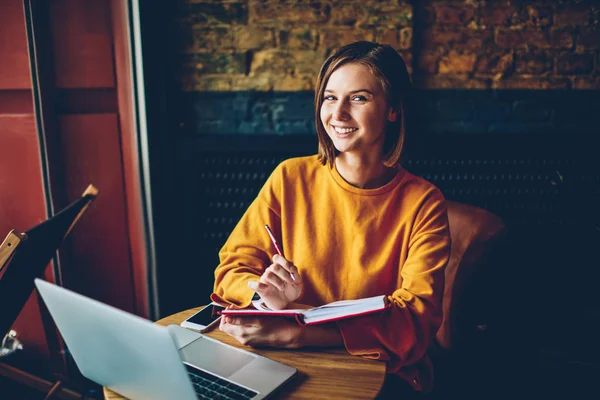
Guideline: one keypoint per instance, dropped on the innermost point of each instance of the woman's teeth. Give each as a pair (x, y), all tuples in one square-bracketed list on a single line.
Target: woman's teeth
[(344, 130)]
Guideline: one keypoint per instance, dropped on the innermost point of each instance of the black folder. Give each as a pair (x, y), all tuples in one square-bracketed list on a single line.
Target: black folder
[(25, 256)]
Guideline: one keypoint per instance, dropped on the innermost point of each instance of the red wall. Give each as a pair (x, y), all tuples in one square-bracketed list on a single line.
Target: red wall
[(21, 189), (91, 141)]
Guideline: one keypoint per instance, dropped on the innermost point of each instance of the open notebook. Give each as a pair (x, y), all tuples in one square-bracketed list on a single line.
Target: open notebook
[(317, 315)]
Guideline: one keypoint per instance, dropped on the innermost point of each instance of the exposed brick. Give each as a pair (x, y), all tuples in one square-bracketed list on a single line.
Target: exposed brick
[(532, 83), (208, 39), (569, 63), (534, 62), (405, 38), (215, 13), (494, 14), (205, 83), (562, 38), (495, 63), (453, 82), (272, 61), (383, 14), (537, 16), (477, 39), (567, 15), (281, 62), (274, 81), (587, 83), (457, 38), (589, 38), (428, 61), (295, 83), (387, 36), (455, 62), (215, 63), (277, 13), (454, 15), (543, 39), (250, 37), (332, 39), (509, 39), (298, 39), (345, 14), (445, 37), (261, 82)]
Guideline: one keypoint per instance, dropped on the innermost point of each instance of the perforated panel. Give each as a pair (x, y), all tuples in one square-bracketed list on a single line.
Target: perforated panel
[(524, 187)]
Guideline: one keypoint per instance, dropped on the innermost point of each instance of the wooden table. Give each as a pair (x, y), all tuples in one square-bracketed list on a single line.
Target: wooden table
[(322, 372)]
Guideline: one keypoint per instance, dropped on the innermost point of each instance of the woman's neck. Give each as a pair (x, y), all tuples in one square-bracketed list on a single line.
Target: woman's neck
[(362, 172)]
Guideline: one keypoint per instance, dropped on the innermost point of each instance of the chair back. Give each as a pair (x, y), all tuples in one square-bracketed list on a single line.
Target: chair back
[(474, 233)]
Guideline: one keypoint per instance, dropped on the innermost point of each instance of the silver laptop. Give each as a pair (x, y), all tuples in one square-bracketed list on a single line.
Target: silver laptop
[(141, 360)]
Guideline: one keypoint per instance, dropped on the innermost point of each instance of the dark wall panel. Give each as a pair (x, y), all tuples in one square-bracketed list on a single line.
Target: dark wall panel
[(14, 68), (97, 262)]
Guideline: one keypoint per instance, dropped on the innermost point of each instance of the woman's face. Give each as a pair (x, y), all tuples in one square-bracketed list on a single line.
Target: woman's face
[(355, 112)]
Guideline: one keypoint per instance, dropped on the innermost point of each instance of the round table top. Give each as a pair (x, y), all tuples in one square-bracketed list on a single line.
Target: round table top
[(322, 372)]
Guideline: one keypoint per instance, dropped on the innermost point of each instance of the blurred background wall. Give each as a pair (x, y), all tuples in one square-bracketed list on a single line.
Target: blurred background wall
[(475, 52)]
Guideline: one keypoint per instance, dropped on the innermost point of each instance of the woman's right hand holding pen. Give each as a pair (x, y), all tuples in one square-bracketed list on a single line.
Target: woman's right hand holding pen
[(279, 285)]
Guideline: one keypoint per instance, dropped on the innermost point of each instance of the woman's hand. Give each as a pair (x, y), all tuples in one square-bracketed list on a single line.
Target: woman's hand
[(279, 332), (267, 331), (276, 286)]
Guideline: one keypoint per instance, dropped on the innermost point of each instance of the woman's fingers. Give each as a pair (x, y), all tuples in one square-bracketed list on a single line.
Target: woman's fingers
[(257, 286), (285, 269), (276, 276)]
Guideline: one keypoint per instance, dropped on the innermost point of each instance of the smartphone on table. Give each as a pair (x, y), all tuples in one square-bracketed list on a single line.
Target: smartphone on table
[(204, 319)]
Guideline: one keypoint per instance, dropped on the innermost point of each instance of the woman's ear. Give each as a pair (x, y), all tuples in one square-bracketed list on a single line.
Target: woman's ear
[(392, 115)]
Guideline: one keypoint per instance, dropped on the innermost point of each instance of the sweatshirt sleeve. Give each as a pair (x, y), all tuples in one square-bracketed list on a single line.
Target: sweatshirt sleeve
[(402, 334), (248, 250)]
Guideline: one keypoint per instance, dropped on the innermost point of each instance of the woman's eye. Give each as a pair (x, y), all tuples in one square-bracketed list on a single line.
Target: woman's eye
[(359, 98), (329, 98)]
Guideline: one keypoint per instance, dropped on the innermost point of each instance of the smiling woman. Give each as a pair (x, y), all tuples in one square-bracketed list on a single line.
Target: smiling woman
[(351, 222)]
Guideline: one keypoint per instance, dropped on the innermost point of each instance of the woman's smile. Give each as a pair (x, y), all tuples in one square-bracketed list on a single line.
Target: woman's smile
[(343, 132)]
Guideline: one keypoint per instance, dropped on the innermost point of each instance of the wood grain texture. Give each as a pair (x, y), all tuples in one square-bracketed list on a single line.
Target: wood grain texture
[(97, 260), (8, 246), (14, 68), (322, 373), (82, 47)]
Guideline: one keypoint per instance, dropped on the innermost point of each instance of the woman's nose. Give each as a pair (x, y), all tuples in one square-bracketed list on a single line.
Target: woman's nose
[(340, 112)]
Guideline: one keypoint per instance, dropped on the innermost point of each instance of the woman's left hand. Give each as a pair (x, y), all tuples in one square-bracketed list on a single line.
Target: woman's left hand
[(266, 331)]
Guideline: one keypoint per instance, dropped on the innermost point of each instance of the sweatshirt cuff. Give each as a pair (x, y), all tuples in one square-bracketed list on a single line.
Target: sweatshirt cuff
[(238, 293), (359, 337)]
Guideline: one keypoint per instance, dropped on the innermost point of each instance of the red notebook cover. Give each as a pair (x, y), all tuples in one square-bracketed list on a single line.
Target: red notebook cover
[(318, 315)]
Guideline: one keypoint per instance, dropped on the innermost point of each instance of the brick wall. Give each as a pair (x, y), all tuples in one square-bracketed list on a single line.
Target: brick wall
[(458, 44), (508, 44), (279, 45), (479, 66)]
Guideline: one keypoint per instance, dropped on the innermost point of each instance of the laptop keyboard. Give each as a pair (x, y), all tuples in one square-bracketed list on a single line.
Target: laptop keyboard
[(208, 386)]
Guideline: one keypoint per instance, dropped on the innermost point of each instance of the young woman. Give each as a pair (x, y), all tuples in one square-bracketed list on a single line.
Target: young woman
[(352, 223)]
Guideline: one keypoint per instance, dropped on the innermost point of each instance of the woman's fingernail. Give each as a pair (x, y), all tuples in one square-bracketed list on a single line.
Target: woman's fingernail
[(253, 285), (292, 275)]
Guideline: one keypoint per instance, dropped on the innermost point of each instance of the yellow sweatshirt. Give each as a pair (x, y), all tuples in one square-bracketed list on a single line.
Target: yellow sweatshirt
[(350, 243)]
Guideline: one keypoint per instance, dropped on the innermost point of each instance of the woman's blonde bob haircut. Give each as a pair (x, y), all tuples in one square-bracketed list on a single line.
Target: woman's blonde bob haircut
[(389, 68)]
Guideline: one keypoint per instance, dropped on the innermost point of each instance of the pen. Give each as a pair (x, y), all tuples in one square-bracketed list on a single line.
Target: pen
[(276, 246)]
